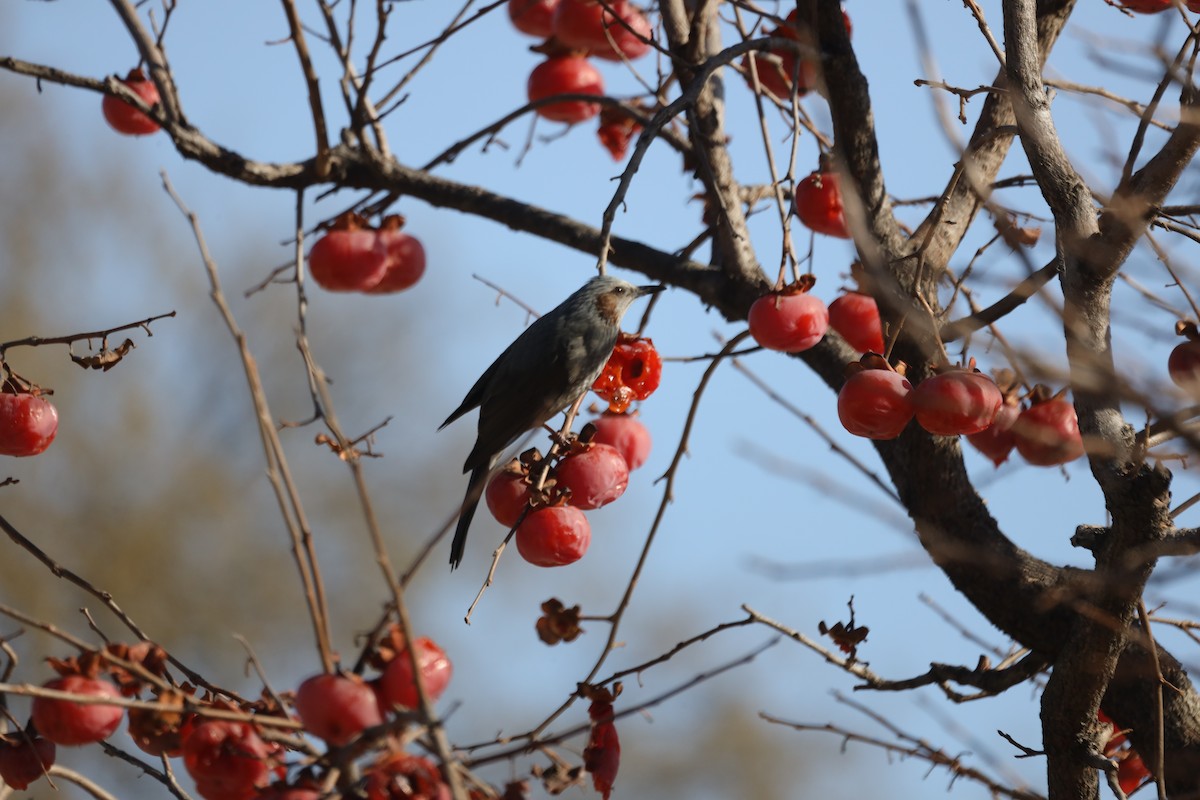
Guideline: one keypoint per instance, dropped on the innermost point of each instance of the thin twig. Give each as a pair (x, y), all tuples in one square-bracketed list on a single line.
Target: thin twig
[(816, 427), (1158, 767), (82, 781), (554, 738), (314, 86), (934, 756), (60, 571), (38, 341), (278, 471)]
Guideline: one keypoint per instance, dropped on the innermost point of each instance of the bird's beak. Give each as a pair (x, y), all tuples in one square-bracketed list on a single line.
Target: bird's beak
[(645, 290)]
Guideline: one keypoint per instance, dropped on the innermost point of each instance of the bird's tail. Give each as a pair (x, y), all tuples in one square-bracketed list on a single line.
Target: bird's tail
[(475, 489)]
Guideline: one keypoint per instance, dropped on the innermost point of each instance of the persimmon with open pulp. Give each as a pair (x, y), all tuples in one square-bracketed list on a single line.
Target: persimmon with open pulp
[(633, 372)]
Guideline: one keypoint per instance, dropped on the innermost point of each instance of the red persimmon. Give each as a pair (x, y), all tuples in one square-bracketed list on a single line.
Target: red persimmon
[(507, 494), (533, 17), (28, 424), (1148, 6), (616, 131), (566, 74), (1131, 772), (397, 689), (1131, 769), (783, 71), (337, 707), (24, 759), (626, 433), (226, 759), (122, 116), (68, 723), (875, 403), (997, 440), (855, 316), (1183, 365), (608, 33), (818, 202), (791, 321), (350, 257), (1047, 433), (602, 756), (593, 477), (554, 536), (405, 258), (956, 402)]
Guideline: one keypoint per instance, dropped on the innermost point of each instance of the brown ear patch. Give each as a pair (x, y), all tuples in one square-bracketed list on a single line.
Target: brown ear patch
[(606, 307)]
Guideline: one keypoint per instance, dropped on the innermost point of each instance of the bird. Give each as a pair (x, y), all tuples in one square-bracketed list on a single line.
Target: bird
[(545, 369)]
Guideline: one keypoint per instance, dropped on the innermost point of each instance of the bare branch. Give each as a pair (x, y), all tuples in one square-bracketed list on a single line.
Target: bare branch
[(314, 87)]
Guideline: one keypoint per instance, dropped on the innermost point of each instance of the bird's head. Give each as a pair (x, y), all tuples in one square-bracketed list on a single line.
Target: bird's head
[(612, 296)]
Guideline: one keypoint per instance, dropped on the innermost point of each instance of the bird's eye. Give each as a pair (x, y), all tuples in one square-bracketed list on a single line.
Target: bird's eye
[(619, 290)]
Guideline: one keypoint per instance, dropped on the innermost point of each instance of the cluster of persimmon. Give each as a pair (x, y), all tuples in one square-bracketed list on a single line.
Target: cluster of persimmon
[(223, 744), (353, 256), (545, 501), (786, 73), (877, 402), (573, 32), (792, 319)]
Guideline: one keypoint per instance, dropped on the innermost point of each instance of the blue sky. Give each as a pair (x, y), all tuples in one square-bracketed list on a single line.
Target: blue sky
[(757, 487)]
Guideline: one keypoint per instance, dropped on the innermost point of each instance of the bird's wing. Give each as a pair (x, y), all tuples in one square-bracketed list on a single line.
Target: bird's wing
[(525, 393), (534, 339), (475, 395)]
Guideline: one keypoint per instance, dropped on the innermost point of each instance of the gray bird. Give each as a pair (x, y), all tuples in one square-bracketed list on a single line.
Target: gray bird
[(544, 370)]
